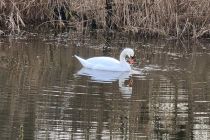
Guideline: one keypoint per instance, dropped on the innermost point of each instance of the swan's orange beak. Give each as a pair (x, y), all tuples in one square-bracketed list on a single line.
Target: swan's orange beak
[(132, 60)]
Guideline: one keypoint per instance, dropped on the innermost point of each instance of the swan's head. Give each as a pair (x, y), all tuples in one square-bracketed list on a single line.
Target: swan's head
[(127, 52)]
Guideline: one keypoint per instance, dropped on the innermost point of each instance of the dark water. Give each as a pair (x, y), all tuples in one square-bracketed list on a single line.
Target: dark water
[(43, 96)]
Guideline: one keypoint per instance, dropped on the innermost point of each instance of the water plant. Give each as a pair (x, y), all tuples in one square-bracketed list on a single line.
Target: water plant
[(169, 18)]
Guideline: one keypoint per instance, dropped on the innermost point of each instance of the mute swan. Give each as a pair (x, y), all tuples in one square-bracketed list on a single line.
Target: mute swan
[(108, 63)]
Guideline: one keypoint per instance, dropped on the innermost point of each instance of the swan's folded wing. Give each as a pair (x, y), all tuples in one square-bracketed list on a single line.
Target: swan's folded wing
[(106, 61)]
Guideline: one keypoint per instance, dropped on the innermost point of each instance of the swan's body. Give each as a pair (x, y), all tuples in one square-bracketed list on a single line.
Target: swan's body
[(108, 63)]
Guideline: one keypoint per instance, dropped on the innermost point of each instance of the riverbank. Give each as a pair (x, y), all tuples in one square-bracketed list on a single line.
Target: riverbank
[(150, 18)]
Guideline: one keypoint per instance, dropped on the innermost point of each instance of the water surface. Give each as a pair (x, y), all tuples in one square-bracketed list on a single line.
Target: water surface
[(44, 93)]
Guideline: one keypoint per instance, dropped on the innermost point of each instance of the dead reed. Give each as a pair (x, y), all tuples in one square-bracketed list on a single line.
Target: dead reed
[(169, 18)]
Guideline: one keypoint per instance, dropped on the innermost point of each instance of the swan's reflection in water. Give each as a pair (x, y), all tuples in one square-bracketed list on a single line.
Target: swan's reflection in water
[(124, 78), (101, 76)]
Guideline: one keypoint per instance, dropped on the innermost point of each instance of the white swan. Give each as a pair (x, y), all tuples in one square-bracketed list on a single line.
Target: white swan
[(108, 63)]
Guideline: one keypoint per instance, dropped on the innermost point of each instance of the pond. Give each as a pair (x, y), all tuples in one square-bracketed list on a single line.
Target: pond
[(45, 93)]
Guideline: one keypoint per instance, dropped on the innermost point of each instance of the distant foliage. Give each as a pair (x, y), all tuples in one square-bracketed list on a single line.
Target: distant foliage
[(169, 18)]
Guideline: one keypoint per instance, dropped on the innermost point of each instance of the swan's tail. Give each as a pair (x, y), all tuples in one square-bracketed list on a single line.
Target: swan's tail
[(81, 60)]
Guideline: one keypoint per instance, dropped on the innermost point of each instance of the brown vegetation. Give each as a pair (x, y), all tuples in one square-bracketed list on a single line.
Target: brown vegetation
[(174, 18)]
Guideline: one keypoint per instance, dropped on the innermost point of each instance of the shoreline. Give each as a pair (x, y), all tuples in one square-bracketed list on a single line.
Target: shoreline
[(156, 19), (167, 19)]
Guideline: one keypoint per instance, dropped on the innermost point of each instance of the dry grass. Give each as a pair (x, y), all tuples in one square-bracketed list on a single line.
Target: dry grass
[(174, 18)]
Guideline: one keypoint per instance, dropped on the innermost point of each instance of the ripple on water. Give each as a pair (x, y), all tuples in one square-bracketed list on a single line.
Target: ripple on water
[(166, 96)]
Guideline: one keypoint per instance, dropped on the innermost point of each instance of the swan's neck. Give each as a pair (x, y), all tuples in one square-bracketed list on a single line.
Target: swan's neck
[(122, 57), (123, 62)]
